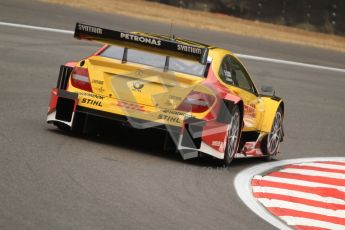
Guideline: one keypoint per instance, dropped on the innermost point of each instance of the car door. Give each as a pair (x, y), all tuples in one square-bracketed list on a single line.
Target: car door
[(237, 79)]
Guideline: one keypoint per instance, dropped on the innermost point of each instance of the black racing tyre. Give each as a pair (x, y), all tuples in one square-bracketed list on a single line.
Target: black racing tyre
[(270, 143), (233, 138)]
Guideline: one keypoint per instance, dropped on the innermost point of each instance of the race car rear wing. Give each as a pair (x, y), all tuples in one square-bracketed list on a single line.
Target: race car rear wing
[(138, 41)]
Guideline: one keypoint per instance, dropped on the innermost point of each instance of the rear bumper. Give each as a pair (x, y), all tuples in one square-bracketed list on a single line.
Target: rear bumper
[(62, 107), (187, 137), (125, 120)]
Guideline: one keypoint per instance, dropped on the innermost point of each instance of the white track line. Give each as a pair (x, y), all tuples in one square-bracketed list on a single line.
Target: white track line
[(280, 61), (311, 222), (244, 56), (243, 187), (37, 28)]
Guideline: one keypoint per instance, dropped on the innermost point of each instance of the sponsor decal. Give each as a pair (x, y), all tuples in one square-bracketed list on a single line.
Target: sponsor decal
[(173, 100), (178, 113), (188, 49), (222, 147), (91, 102), (219, 144), (92, 95), (228, 77), (138, 85), (249, 111), (99, 82), (216, 143), (139, 72), (131, 106), (172, 97), (173, 116), (100, 89), (91, 29), (169, 118), (138, 38)]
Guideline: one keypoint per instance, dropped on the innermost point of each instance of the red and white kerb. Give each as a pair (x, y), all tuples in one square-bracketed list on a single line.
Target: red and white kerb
[(308, 195)]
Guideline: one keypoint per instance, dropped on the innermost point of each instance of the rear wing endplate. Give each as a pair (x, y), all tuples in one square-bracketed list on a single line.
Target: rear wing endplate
[(132, 40)]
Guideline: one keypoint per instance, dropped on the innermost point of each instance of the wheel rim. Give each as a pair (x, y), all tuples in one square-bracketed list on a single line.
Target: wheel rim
[(233, 135), (274, 137)]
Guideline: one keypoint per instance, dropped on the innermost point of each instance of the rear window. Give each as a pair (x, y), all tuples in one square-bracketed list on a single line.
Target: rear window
[(145, 58), (115, 52), (155, 60), (186, 66)]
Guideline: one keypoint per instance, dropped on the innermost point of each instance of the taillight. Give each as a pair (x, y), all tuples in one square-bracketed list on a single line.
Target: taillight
[(196, 102), (80, 79)]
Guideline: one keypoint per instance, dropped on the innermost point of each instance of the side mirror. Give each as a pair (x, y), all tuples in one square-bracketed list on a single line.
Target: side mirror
[(266, 89)]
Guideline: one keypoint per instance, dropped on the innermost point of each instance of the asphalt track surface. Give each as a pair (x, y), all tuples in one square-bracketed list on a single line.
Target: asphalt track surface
[(51, 180)]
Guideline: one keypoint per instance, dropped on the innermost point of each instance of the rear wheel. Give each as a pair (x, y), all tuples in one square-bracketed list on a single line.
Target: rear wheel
[(270, 143), (233, 136)]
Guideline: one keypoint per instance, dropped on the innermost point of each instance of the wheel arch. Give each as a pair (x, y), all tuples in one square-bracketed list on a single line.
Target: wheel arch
[(228, 109), (241, 107), (283, 107), (226, 106), (271, 106)]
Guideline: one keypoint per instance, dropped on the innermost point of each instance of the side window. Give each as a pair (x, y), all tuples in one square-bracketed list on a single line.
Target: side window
[(226, 73), (233, 73), (242, 76)]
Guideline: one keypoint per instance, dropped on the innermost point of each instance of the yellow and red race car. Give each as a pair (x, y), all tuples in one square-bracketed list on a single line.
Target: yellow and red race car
[(201, 95)]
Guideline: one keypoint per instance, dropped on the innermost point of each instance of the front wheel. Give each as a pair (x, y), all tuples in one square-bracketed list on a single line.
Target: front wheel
[(270, 143), (233, 136)]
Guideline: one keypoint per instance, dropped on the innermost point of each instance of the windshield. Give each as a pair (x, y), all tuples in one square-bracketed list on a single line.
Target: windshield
[(156, 60)]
